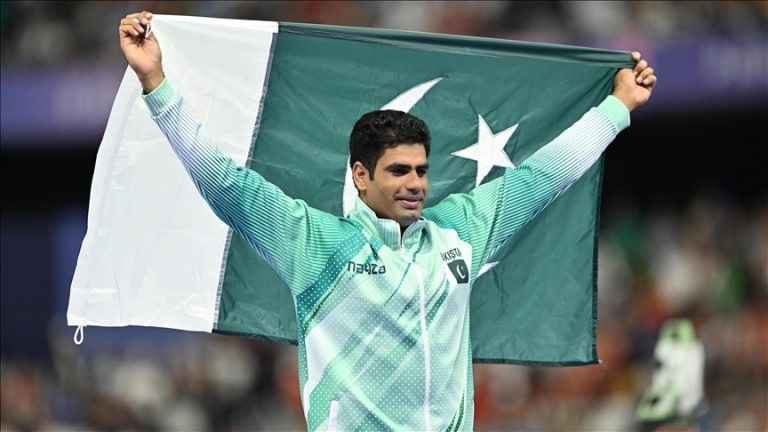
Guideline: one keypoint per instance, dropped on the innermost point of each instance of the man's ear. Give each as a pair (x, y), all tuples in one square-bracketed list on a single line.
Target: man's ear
[(360, 176)]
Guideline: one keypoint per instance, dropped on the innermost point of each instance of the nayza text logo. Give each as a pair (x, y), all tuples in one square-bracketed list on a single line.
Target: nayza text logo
[(370, 269)]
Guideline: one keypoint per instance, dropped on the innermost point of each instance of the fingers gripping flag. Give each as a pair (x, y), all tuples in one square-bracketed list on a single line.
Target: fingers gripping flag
[(281, 99)]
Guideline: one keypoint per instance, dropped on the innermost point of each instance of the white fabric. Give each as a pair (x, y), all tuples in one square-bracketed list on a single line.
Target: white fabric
[(153, 251)]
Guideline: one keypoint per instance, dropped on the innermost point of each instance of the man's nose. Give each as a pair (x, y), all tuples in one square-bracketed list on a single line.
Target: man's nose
[(415, 183)]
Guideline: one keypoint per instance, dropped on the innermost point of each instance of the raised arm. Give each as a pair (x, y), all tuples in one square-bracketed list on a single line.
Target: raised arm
[(293, 238), (495, 211)]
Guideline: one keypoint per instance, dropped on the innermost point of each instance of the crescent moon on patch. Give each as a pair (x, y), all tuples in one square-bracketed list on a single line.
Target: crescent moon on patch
[(403, 102)]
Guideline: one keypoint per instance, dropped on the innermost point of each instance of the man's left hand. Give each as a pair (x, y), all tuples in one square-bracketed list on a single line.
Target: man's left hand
[(634, 86)]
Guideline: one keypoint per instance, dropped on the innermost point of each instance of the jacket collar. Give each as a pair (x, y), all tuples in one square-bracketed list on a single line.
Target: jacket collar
[(386, 229)]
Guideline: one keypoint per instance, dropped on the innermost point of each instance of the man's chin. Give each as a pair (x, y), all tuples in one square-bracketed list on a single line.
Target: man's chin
[(407, 217)]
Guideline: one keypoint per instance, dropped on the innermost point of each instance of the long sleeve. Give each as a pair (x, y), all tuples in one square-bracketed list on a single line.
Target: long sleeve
[(495, 211), (292, 237)]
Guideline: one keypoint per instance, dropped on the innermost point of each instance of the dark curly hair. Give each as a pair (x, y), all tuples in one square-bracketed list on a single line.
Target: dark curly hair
[(377, 131)]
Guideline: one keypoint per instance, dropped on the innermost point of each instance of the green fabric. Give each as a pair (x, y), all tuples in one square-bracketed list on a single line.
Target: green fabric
[(538, 306)]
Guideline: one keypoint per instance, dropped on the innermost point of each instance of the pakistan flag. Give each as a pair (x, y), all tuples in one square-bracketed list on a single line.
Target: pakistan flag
[(281, 99)]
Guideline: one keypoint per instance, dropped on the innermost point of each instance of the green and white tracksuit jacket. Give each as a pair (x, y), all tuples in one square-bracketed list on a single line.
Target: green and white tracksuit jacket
[(383, 318)]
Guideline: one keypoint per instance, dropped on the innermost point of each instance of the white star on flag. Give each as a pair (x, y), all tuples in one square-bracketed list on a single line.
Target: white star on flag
[(488, 151)]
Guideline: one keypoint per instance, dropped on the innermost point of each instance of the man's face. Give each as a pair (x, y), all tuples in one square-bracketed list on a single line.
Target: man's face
[(399, 185)]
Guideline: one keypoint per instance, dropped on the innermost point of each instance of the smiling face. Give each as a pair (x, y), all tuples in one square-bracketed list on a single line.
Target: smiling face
[(399, 185)]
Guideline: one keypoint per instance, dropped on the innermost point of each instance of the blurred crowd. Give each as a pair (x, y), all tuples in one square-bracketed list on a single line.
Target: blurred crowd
[(50, 33), (708, 263)]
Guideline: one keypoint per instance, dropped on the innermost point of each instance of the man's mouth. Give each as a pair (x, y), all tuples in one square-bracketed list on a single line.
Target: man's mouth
[(410, 203)]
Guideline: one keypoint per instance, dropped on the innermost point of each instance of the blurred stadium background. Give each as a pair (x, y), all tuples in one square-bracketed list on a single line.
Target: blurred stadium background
[(684, 225)]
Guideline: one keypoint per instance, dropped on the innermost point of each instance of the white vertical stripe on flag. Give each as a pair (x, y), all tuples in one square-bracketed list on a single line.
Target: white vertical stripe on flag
[(153, 252)]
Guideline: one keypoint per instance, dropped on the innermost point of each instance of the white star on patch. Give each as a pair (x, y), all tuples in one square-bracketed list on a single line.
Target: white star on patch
[(488, 151)]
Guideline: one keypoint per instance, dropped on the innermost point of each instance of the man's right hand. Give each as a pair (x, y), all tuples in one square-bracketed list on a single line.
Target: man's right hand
[(142, 53)]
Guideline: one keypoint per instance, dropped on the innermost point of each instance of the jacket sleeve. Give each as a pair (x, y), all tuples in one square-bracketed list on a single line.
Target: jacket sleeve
[(492, 213), (294, 238)]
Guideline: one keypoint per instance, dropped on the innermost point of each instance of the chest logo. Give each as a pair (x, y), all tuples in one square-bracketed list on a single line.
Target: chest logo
[(459, 270)]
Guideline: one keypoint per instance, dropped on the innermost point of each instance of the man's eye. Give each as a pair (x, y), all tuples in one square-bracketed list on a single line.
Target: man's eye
[(399, 172), (421, 172)]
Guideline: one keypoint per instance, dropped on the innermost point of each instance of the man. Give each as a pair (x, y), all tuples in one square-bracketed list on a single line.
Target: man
[(381, 295)]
